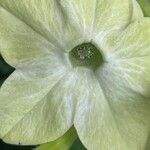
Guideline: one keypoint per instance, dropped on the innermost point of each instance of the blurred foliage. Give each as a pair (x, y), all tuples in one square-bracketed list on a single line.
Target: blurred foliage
[(5, 70), (145, 4), (77, 145), (64, 141), (4, 146)]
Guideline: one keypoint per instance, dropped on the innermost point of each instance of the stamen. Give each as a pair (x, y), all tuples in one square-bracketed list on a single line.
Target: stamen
[(86, 55)]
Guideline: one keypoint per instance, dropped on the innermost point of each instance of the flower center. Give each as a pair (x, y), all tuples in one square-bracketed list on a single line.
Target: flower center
[(86, 55)]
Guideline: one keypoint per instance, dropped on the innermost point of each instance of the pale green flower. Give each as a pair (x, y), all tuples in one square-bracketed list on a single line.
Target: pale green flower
[(78, 62)]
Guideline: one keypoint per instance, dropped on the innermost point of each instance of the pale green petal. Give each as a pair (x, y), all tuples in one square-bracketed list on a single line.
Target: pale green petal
[(81, 14), (94, 119), (21, 46), (134, 41), (110, 16), (125, 81), (136, 74), (69, 23), (47, 18), (42, 120), (126, 84), (94, 17), (101, 39), (137, 11), (20, 96), (64, 142), (113, 114)]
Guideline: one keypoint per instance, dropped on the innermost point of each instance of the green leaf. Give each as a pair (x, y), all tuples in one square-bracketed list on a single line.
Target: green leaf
[(145, 4), (77, 145), (63, 142)]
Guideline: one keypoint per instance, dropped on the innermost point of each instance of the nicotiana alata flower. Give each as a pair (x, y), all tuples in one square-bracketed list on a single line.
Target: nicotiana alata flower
[(78, 62)]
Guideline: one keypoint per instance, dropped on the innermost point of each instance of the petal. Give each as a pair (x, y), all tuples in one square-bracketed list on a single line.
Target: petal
[(114, 112), (111, 16), (94, 120), (50, 117), (136, 73), (81, 14), (21, 46), (46, 118), (137, 11), (134, 41), (21, 94), (103, 38), (126, 84), (46, 18), (97, 16)]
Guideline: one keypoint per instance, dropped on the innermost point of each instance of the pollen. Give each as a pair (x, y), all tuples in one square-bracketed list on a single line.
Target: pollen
[(86, 55)]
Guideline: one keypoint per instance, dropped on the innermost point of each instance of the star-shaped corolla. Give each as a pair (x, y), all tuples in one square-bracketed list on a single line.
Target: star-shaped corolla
[(58, 83)]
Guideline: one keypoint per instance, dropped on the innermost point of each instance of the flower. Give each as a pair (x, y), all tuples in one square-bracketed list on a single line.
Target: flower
[(77, 62)]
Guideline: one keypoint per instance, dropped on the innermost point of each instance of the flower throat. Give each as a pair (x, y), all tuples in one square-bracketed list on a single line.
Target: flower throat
[(86, 55)]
